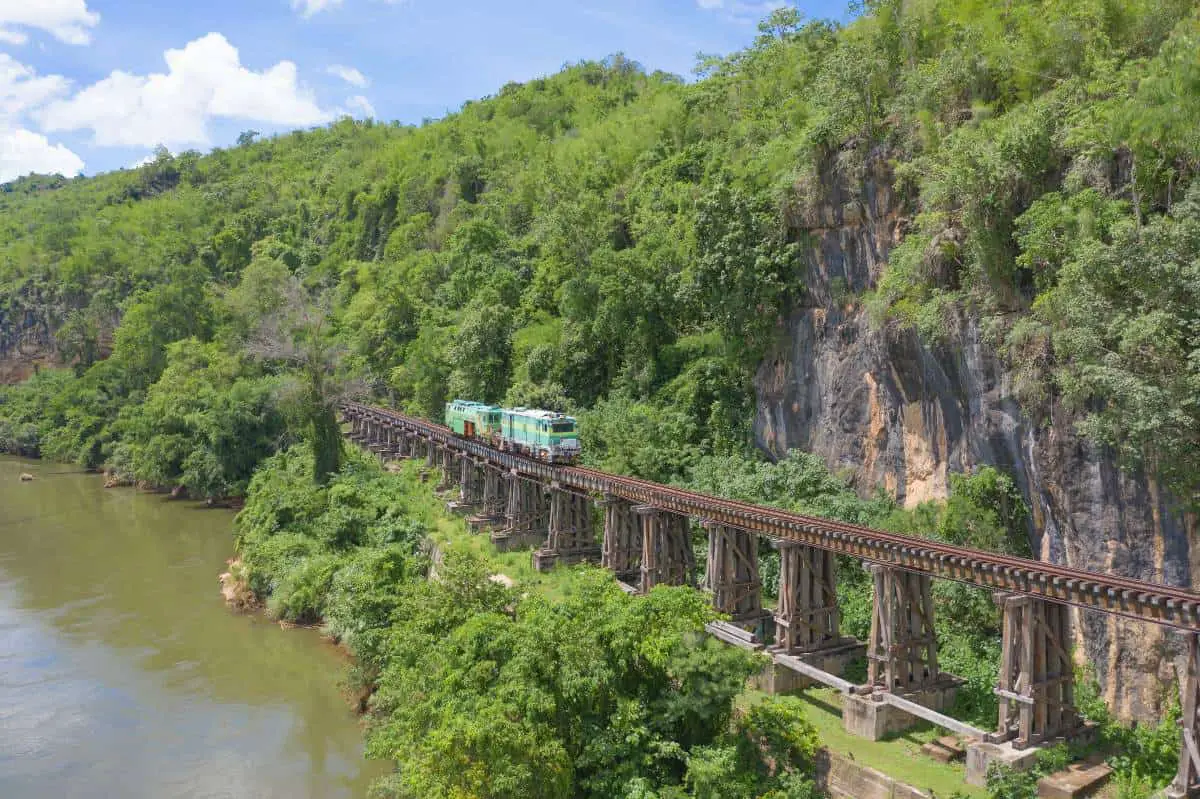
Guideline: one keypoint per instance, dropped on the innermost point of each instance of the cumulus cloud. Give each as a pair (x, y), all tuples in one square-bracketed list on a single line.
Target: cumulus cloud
[(348, 74), (204, 80), (23, 151), (360, 106), (22, 89), (66, 20)]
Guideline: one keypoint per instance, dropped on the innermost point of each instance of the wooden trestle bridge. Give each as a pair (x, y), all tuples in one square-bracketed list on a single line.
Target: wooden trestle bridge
[(646, 541)]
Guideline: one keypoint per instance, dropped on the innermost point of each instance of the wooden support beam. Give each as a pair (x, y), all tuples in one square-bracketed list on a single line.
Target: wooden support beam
[(930, 715), (732, 573), (571, 537), (1036, 681), (902, 651), (526, 513), (667, 556), (1187, 778), (470, 482), (495, 492), (622, 549), (807, 618)]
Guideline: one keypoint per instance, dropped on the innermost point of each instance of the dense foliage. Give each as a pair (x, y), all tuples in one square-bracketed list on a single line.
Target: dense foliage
[(626, 242), (484, 692)]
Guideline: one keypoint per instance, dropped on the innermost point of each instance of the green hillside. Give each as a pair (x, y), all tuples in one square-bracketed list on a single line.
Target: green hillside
[(620, 241)]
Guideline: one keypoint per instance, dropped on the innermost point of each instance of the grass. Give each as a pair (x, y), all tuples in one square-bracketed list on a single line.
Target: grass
[(898, 757)]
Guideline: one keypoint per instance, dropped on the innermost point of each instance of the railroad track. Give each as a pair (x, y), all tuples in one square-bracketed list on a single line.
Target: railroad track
[(1160, 604)]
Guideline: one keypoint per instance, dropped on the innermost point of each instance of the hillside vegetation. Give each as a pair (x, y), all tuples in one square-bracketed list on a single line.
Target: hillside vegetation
[(624, 242), (624, 245)]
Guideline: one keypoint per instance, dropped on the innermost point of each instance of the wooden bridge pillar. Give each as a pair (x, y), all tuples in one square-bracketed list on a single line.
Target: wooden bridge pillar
[(430, 453), (571, 538), (807, 618), (495, 495), (667, 557), (470, 482), (1187, 779), (732, 573), (447, 463), (1037, 675), (902, 651), (357, 424), (526, 514), (378, 440), (622, 551)]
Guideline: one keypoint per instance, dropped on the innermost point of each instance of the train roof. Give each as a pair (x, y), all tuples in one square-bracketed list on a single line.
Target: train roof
[(537, 413), (472, 404)]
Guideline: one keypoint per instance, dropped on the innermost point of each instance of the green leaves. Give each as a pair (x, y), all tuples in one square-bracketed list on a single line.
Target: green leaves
[(1127, 333)]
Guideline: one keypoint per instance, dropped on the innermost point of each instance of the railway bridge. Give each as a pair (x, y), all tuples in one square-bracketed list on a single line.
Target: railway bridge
[(646, 541)]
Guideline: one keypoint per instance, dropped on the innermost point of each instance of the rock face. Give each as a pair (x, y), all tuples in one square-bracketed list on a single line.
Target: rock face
[(891, 411)]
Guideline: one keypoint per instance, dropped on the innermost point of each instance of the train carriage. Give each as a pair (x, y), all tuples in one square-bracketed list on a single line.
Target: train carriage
[(474, 420), (545, 435)]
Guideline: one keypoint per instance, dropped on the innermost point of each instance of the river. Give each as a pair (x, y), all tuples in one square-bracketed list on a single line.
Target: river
[(122, 673)]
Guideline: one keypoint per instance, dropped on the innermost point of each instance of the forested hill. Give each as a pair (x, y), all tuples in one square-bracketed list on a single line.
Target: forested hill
[(628, 244)]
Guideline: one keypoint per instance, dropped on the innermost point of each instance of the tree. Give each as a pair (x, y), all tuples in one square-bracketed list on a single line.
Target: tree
[(294, 330)]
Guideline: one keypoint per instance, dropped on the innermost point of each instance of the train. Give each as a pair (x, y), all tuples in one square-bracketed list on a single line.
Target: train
[(545, 435)]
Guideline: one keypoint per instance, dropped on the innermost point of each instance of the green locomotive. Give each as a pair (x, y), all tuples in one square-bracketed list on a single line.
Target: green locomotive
[(545, 435)]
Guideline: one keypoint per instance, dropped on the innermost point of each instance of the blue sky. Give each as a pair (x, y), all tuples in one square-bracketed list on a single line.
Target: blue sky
[(93, 85)]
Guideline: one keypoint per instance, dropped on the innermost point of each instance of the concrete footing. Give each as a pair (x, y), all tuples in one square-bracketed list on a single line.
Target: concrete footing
[(1076, 781), (870, 718), (981, 755), (506, 541), (480, 521), (546, 559)]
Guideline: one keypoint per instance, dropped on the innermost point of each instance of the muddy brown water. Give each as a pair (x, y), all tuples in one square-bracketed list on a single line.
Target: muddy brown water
[(122, 673)]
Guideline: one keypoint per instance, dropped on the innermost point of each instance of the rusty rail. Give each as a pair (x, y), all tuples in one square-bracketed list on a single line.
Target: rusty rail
[(1136, 599)]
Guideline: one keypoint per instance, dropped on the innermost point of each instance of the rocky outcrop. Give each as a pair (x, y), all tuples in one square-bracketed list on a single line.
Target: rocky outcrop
[(881, 405)]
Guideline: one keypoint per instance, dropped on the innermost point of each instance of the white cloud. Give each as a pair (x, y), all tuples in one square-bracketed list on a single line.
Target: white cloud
[(21, 89), (309, 7), (204, 80), (141, 162), (348, 74), (23, 151), (360, 106), (65, 20)]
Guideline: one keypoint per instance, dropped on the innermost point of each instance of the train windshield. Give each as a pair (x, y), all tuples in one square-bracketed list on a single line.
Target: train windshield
[(563, 427)]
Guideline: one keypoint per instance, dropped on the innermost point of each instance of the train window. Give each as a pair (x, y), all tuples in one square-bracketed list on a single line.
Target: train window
[(563, 427)]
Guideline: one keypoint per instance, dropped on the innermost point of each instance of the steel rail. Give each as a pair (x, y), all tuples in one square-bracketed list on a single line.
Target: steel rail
[(1166, 605)]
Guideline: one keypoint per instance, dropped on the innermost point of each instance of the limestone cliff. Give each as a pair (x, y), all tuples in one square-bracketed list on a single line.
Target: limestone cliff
[(892, 411)]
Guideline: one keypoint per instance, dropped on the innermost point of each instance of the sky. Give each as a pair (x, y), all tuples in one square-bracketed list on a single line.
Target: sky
[(88, 86)]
